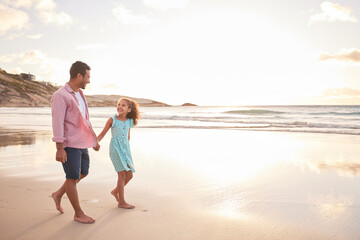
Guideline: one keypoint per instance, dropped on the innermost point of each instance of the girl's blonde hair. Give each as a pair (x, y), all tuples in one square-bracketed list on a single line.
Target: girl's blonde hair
[(134, 114)]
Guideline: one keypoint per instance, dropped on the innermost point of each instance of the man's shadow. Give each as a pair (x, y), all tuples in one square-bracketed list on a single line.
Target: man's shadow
[(34, 227), (86, 231)]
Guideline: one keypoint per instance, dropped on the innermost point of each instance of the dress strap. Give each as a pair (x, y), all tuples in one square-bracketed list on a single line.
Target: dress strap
[(114, 120)]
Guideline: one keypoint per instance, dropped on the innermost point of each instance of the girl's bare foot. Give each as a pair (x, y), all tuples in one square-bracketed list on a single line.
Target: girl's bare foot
[(57, 201), (84, 219), (114, 193), (125, 205)]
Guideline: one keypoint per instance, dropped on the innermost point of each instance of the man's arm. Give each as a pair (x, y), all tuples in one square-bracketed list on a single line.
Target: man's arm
[(58, 110)]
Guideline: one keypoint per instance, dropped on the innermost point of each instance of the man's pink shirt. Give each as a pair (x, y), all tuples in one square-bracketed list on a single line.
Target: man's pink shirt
[(69, 126)]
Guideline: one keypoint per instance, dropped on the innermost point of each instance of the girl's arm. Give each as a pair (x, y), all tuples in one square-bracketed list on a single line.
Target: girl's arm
[(106, 129), (129, 134)]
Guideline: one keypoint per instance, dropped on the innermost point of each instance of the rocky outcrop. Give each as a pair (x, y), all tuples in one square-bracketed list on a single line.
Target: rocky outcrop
[(111, 100), (16, 92), (189, 105)]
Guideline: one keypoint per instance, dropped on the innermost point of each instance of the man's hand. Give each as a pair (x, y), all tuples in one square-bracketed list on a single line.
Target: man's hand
[(97, 147), (61, 155)]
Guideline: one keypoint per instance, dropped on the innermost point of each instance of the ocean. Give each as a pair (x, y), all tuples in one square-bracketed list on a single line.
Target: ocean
[(313, 119)]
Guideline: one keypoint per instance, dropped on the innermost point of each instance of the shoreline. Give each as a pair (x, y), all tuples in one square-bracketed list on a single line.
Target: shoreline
[(342, 121)]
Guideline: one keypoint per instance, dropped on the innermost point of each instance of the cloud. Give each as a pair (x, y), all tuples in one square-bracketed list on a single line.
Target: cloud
[(332, 12), (18, 3), (336, 96), (34, 36), (22, 3), (16, 70), (36, 58), (51, 17), (349, 92), (47, 5), (127, 17), (166, 4), (91, 46), (12, 19), (109, 86), (47, 14), (44, 67), (33, 57), (344, 55)]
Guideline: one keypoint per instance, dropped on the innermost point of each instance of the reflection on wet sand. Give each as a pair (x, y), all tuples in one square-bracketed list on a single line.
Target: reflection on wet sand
[(10, 137), (331, 206), (282, 186), (345, 168)]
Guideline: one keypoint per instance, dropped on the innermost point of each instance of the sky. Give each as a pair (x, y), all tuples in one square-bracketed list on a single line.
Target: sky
[(206, 52)]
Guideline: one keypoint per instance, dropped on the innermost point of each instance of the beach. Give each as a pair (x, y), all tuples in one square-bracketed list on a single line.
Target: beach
[(189, 184)]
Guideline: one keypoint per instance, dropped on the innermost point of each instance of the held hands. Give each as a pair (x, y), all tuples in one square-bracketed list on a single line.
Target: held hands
[(97, 147), (61, 155)]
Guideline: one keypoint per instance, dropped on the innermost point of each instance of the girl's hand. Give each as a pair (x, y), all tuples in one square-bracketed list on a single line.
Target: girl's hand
[(97, 147)]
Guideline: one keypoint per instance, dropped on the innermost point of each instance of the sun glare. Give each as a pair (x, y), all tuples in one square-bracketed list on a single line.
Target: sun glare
[(246, 57), (229, 156)]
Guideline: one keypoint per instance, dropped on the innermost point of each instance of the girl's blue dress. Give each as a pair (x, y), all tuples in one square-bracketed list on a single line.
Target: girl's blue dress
[(119, 145)]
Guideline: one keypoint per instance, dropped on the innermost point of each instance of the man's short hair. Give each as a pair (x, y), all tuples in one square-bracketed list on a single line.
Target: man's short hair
[(78, 67)]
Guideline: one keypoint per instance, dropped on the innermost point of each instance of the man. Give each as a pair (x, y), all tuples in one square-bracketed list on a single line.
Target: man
[(73, 134)]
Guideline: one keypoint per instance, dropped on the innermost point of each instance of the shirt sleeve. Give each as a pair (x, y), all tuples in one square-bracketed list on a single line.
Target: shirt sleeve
[(131, 122), (58, 111)]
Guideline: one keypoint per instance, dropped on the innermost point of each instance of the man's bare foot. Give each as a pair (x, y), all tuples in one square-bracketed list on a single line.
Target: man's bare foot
[(57, 201), (84, 219), (125, 205), (114, 193)]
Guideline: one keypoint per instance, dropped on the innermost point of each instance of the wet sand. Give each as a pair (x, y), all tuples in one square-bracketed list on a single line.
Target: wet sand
[(189, 184)]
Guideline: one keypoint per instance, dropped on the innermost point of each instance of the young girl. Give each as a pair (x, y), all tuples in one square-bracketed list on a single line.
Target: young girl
[(127, 116)]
